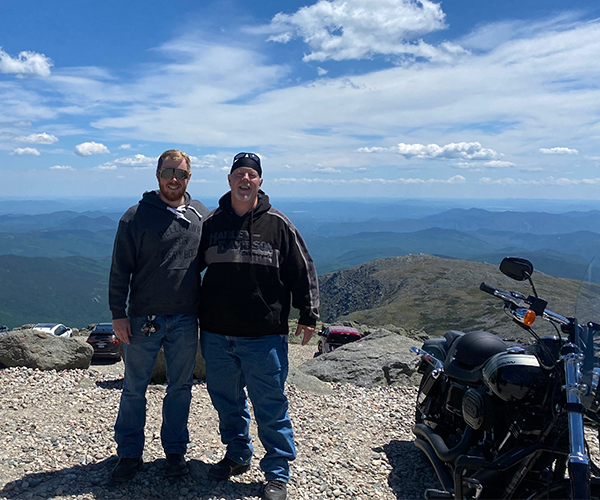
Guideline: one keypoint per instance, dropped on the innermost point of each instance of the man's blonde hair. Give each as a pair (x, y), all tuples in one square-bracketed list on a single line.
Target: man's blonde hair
[(176, 156)]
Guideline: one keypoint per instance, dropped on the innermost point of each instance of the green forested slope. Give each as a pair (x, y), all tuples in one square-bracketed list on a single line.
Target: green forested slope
[(69, 290)]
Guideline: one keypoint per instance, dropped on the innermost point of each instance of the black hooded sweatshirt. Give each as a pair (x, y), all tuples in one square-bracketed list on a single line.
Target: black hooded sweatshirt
[(155, 259), (257, 265)]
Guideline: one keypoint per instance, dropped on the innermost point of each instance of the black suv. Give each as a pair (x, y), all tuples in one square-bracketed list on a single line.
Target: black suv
[(104, 341)]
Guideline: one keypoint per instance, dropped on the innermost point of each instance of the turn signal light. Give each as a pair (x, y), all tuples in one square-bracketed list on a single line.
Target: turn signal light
[(529, 317)]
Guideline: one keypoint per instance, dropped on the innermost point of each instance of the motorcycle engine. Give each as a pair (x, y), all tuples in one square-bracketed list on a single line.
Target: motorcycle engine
[(478, 409), (515, 378)]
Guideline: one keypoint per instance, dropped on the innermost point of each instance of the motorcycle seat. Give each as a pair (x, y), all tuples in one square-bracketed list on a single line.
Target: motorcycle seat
[(469, 352)]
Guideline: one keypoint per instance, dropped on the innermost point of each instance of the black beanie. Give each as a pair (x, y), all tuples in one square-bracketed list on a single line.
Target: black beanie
[(246, 162)]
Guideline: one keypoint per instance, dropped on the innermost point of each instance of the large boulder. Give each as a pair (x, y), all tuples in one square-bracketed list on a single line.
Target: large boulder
[(382, 358), (308, 383), (35, 349), (159, 372)]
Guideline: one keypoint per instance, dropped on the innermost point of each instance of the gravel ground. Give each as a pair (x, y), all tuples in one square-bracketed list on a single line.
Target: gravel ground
[(56, 442)]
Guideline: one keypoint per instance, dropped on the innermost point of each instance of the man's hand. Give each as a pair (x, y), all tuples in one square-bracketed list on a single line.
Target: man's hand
[(308, 333), (122, 329)]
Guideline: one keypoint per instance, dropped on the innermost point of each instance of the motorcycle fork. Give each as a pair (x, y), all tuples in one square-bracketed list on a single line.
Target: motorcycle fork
[(578, 460)]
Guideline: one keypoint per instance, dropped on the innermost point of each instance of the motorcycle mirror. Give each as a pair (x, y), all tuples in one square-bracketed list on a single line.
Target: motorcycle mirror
[(516, 268)]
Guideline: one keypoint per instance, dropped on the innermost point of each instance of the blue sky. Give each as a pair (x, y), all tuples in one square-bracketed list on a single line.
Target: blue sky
[(353, 98)]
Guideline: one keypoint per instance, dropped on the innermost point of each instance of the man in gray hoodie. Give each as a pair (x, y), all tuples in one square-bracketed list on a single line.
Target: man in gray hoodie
[(155, 272)]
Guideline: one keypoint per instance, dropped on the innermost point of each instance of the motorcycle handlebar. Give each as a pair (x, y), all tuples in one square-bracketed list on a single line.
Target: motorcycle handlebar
[(501, 294), (518, 302), (487, 288)]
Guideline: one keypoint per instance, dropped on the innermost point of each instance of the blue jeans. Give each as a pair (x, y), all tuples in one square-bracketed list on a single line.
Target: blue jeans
[(179, 336), (259, 364)]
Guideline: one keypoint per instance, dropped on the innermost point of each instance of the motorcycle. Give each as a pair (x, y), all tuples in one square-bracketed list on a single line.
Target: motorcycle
[(506, 420)]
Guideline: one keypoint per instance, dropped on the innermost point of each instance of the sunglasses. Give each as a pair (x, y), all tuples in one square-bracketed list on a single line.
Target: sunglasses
[(168, 173), (149, 326), (252, 156)]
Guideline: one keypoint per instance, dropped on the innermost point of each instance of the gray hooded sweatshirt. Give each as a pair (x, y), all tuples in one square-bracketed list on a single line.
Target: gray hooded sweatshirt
[(155, 259)]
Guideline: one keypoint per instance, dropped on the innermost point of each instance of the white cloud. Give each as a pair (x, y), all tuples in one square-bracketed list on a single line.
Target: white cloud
[(38, 139), (90, 148), (138, 160), (326, 170), (358, 29), (106, 166), (549, 181), (376, 150), (454, 150), (321, 71), (207, 161), (460, 150), (457, 179), (487, 164), (62, 167), (559, 151), (125, 146), (499, 164), (508, 181), (25, 151), (26, 63)]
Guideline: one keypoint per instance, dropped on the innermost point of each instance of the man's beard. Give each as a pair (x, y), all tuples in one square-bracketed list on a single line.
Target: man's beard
[(172, 195)]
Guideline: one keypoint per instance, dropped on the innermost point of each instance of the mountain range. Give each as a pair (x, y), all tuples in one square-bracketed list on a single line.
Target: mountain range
[(64, 255)]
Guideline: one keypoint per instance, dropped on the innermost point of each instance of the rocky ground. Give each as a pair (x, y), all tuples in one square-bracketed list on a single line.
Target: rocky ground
[(56, 442)]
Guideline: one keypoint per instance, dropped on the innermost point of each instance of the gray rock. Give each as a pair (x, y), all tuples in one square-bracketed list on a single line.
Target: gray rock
[(159, 373), (308, 383), (382, 358), (35, 349)]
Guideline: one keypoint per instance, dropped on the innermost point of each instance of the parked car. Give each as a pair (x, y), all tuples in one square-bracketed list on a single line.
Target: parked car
[(335, 336), (4, 328), (104, 341), (57, 329)]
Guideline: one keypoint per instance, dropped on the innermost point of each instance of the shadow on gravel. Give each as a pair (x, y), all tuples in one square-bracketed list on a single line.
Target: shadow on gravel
[(412, 473), (110, 384), (150, 483), (104, 362)]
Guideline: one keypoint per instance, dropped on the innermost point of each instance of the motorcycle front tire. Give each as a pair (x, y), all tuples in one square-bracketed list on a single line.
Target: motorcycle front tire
[(562, 491)]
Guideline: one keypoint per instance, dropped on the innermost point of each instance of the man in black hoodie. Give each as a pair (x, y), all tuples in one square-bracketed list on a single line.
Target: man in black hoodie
[(257, 267), (155, 268)]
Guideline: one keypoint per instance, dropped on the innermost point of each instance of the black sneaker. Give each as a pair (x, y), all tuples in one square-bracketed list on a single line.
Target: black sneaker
[(125, 469), (227, 468), (275, 490), (175, 465)]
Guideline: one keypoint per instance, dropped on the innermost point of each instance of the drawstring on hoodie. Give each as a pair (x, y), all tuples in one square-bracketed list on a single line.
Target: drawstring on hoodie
[(180, 212)]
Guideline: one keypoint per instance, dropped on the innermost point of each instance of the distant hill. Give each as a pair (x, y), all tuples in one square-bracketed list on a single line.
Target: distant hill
[(71, 290), (565, 255), (58, 234), (562, 244), (59, 243), (91, 221), (423, 292), (472, 219)]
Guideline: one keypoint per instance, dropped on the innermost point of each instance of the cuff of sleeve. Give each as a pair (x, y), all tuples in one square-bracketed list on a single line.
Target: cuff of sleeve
[(119, 315), (307, 320)]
